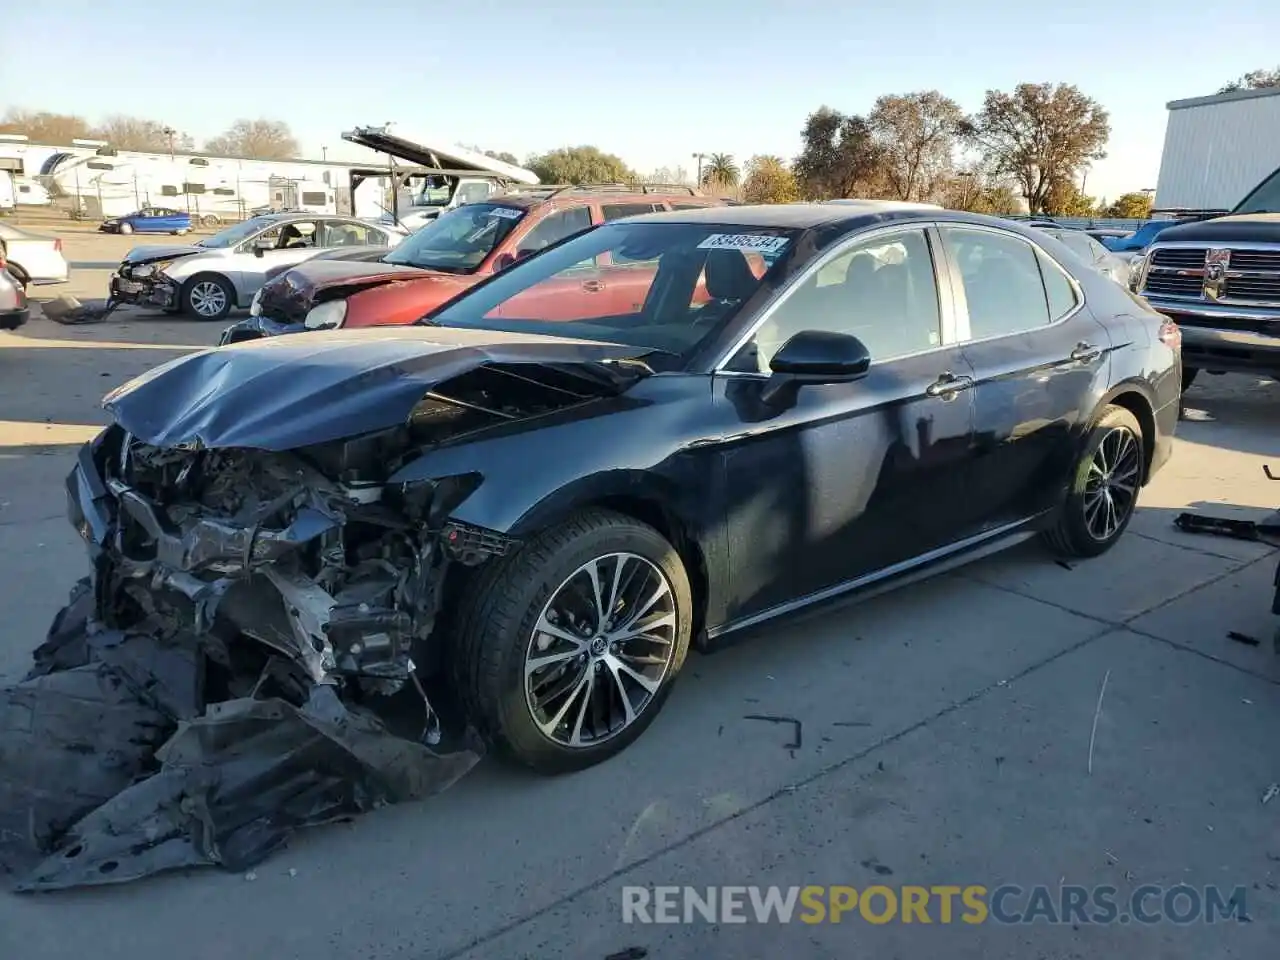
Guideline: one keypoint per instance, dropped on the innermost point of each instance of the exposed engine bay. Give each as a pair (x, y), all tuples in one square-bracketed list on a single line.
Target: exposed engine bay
[(258, 646)]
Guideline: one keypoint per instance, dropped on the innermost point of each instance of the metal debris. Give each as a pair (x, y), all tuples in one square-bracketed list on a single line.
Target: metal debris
[(796, 725), (1272, 792)]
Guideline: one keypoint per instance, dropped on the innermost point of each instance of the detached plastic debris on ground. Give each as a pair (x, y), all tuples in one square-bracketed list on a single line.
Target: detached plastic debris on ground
[(129, 753)]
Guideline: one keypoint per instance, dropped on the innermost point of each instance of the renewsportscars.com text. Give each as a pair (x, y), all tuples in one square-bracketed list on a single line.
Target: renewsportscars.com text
[(942, 904)]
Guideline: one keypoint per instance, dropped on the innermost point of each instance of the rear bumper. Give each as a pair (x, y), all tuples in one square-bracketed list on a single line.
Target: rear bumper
[(1225, 338), (13, 319)]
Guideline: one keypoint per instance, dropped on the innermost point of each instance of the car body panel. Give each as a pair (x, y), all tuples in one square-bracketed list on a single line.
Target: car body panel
[(780, 505), (14, 308), (243, 265), (34, 256), (150, 220)]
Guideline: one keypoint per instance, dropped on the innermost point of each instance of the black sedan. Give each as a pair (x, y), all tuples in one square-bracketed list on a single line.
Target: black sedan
[(654, 434)]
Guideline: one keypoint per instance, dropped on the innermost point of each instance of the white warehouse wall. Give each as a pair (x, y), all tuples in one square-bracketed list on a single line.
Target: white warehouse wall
[(1217, 149)]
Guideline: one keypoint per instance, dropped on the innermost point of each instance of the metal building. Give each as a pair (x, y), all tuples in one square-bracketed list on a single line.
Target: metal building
[(1217, 149)]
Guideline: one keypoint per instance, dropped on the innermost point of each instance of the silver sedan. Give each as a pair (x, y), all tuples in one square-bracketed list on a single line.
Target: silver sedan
[(32, 257), (1093, 253)]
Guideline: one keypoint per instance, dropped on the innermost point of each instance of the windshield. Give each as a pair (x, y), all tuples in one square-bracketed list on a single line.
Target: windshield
[(236, 234), (1265, 197), (665, 286), (458, 241)]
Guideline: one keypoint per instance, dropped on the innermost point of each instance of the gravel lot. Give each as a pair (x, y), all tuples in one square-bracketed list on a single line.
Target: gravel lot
[(947, 734)]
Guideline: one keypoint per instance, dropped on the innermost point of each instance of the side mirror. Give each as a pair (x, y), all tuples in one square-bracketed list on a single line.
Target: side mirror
[(262, 244), (815, 356), (503, 261)]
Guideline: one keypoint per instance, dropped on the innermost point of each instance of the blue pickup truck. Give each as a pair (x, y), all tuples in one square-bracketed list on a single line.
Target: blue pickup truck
[(1140, 239), (149, 220)]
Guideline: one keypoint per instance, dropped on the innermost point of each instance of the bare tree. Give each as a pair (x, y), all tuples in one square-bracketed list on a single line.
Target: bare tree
[(41, 126), (840, 157), (1254, 80), (135, 133), (917, 134), (1040, 135), (256, 140), (676, 174)]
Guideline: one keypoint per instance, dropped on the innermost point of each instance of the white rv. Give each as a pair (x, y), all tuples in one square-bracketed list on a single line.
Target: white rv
[(28, 193), (6, 191)]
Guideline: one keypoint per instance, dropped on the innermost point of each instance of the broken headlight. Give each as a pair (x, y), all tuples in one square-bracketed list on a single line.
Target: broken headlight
[(326, 316)]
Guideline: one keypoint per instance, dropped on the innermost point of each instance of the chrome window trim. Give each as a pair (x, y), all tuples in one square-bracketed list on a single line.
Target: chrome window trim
[(962, 304), (941, 280)]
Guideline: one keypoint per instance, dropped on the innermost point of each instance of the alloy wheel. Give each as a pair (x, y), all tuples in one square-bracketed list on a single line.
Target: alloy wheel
[(208, 299), (600, 650), (1111, 488)]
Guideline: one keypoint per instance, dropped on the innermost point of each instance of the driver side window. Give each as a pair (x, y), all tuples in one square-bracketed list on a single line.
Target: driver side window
[(882, 291)]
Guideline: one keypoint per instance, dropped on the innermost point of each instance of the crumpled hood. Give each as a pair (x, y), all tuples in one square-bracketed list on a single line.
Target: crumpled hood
[(1238, 228), (289, 297), (283, 393), (161, 252)]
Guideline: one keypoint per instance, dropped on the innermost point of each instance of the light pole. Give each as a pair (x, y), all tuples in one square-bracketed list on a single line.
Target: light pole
[(324, 154), (170, 133), (699, 157)]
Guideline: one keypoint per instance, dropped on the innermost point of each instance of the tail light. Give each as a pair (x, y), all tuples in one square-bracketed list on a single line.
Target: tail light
[(2, 261), (1170, 334), (57, 244)]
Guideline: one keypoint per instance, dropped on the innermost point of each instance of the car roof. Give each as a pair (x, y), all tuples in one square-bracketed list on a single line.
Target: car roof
[(527, 199), (804, 216)]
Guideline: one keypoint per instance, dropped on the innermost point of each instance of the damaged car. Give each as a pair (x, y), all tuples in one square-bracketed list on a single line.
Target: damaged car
[(208, 279), (330, 571)]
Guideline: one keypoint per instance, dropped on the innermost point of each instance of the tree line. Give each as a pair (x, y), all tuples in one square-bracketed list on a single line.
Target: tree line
[(1027, 147), (260, 139)]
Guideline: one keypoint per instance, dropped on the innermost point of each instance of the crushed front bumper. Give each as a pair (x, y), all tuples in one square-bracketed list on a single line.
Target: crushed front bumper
[(224, 676), (156, 290)]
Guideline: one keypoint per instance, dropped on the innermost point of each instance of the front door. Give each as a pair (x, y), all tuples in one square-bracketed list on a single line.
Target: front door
[(852, 478), (1040, 359), (291, 242)]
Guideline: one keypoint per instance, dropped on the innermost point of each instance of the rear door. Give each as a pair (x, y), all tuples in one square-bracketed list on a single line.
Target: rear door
[(1039, 357)]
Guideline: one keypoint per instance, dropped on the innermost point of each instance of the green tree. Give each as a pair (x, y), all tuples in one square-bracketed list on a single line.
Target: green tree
[(1254, 80), (721, 171), (917, 135), (1064, 199), (1130, 206), (1040, 135), (840, 157), (769, 181), (255, 140), (582, 164)]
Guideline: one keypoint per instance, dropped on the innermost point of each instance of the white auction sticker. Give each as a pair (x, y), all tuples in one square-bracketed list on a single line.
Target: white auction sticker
[(760, 243), (506, 213)]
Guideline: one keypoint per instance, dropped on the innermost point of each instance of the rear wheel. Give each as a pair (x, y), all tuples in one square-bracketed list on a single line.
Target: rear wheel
[(1104, 487), (567, 649)]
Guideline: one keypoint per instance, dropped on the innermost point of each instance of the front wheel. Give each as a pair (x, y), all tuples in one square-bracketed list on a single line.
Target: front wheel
[(1104, 487), (567, 649), (125, 229), (207, 297)]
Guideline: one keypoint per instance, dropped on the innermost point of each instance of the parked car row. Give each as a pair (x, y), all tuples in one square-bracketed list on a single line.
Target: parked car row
[(607, 449)]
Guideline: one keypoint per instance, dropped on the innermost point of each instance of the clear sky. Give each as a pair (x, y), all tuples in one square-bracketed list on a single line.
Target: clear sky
[(651, 82)]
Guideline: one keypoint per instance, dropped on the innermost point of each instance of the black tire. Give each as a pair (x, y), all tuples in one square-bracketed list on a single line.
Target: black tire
[(1071, 534), (495, 630), (195, 290), (1188, 376), (124, 228)]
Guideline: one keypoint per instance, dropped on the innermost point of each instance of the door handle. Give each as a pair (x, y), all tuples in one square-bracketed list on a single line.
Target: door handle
[(1085, 352), (948, 385), (593, 286)]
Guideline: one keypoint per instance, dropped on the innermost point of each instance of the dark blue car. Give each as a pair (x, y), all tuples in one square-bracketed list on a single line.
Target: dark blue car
[(1140, 239), (149, 220)]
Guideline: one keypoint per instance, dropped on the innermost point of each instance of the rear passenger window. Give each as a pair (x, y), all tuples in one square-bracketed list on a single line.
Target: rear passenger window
[(1062, 296), (1001, 279), (616, 211)]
